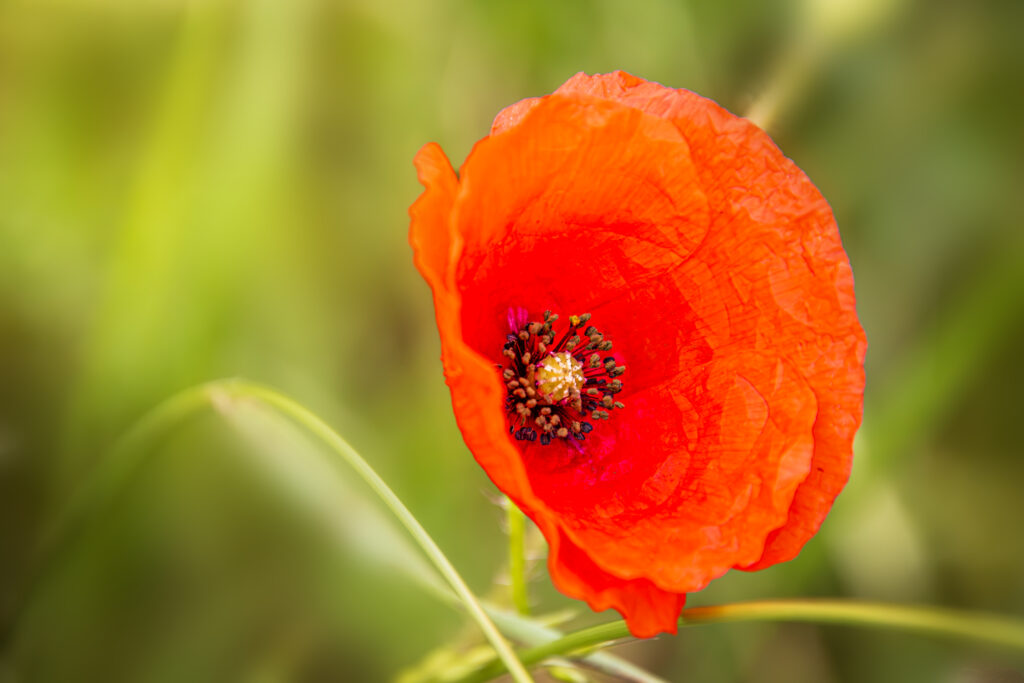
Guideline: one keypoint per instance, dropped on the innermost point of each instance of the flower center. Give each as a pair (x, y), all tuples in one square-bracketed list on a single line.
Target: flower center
[(559, 375), (558, 382)]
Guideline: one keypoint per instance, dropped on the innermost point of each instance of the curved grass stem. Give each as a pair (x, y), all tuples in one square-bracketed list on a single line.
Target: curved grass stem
[(986, 628), (133, 448), (332, 439)]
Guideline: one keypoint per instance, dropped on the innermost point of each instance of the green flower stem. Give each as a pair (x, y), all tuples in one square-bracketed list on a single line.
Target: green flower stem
[(517, 557), (532, 631), (987, 628), (131, 451)]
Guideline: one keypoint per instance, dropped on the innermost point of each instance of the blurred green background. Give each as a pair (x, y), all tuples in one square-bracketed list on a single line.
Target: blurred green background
[(194, 190)]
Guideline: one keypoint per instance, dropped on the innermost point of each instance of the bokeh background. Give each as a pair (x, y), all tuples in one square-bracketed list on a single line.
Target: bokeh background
[(195, 190)]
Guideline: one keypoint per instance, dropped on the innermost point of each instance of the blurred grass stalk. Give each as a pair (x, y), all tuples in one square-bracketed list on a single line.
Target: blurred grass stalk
[(822, 28), (942, 366)]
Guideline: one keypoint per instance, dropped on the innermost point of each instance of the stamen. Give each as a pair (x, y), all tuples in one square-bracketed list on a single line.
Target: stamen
[(555, 389)]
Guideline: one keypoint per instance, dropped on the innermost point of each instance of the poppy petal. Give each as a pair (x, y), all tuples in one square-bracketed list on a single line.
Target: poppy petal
[(651, 610), (429, 234)]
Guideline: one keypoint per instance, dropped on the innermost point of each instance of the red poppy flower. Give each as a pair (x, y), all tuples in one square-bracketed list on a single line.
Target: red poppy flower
[(648, 328)]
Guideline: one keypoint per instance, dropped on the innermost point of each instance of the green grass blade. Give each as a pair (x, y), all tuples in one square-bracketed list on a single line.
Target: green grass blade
[(131, 452), (238, 390), (985, 628)]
